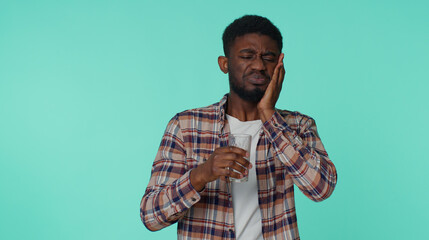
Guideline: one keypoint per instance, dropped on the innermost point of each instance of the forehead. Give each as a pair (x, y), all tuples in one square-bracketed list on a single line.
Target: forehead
[(256, 42)]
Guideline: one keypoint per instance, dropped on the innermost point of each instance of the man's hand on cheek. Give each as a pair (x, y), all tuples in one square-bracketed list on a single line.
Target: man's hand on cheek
[(268, 102)]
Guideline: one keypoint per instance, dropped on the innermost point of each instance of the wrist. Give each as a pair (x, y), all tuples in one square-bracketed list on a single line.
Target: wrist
[(196, 179), (266, 114)]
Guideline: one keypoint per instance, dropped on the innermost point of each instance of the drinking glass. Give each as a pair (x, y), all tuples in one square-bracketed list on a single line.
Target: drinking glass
[(242, 141)]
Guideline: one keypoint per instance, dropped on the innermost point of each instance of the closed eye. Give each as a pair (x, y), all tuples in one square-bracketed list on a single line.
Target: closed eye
[(246, 57), (269, 57)]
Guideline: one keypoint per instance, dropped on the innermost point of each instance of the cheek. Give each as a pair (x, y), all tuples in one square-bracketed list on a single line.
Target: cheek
[(243, 69), (238, 70), (271, 70)]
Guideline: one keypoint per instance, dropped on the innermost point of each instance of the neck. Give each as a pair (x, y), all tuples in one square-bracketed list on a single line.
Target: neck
[(241, 109)]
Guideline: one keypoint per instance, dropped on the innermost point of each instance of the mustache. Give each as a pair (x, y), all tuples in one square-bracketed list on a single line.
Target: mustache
[(259, 74)]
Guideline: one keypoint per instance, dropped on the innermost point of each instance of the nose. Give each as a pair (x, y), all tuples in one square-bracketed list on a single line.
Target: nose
[(258, 63)]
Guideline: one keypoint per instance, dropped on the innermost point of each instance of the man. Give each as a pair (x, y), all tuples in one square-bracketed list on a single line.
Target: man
[(190, 175)]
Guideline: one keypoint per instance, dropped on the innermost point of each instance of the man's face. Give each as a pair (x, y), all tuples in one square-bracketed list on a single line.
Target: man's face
[(251, 64)]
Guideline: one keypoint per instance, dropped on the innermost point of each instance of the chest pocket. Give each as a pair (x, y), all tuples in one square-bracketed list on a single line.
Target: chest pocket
[(195, 159), (201, 149)]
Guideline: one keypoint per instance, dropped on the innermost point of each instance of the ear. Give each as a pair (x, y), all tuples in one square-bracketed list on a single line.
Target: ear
[(223, 63)]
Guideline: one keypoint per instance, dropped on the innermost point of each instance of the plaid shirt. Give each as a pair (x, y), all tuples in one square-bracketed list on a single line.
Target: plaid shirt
[(289, 152)]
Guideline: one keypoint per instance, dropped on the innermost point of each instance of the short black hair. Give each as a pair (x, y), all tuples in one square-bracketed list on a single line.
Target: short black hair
[(250, 24)]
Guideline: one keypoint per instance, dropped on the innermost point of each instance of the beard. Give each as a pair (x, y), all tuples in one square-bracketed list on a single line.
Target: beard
[(253, 96)]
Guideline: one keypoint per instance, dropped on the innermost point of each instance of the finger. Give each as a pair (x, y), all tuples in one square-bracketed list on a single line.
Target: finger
[(236, 175), (272, 85), (240, 164), (280, 61), (232, 149), (239, 168), (279, 68), (280, 73), (281, 57), (226, 159), (231, 161), (243, 162), (229, 172), (281, 77), (274, 78), (226, 172)]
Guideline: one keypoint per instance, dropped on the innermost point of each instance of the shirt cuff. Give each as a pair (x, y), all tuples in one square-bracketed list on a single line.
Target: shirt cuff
[(276, 127), (185, 195), (287, 143)]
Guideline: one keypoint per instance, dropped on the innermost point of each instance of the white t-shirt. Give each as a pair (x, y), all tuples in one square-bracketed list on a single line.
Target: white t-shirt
[(247, 216)]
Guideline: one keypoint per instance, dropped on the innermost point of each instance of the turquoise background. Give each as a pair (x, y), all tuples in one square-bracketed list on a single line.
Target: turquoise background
[(87, 88)]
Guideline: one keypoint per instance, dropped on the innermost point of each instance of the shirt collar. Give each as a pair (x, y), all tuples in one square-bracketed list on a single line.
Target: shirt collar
[(221, 112)]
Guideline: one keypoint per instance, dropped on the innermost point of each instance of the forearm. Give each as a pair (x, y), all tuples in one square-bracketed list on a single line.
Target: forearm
[(314, 174), (266, 114), (304, 156), (169, 193), (196, 179), (162, 206)]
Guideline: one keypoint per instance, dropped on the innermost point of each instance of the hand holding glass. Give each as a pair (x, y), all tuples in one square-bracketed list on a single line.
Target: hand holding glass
[(242, 141)]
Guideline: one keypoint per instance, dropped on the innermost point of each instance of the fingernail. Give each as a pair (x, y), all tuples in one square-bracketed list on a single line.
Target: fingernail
[(247, 154)]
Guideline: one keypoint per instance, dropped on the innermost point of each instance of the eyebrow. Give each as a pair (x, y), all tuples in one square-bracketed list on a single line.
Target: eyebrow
[(269, 53), (247, 50)]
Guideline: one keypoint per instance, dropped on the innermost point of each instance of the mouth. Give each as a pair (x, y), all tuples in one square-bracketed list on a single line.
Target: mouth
[(258, 79)]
